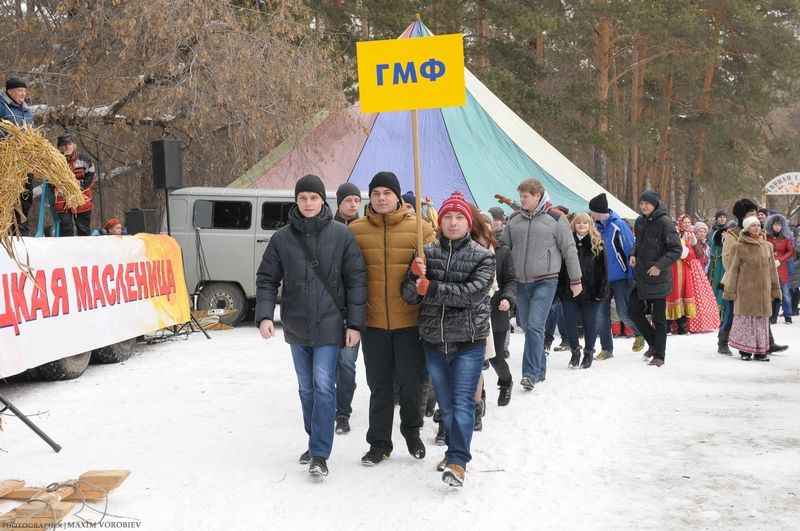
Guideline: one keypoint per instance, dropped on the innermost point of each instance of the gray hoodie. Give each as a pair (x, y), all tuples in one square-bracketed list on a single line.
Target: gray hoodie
[(539, 243)]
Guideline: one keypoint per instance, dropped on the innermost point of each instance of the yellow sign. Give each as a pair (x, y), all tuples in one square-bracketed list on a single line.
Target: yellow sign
[(411, 73)]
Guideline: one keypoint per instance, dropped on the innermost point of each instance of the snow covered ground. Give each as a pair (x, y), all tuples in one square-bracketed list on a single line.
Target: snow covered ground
[(211, 431)]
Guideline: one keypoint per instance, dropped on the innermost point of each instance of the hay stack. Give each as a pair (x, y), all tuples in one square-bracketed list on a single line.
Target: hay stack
[(24, 150)]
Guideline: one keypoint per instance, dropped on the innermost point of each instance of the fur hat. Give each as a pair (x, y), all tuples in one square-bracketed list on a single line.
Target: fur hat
[(749, 221), (742, 207)]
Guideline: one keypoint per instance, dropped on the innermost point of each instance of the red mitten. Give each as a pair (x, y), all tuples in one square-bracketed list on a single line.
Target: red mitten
[(422, 286), (415, 267)]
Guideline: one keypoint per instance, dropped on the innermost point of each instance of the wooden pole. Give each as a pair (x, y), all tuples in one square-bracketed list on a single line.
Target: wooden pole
[(417, 180)]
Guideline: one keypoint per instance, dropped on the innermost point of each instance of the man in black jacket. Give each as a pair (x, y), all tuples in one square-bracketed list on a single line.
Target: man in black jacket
[(323, 306), (657, 247)]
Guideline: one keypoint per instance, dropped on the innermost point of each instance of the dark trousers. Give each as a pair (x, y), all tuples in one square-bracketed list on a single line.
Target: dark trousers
[(393, 357), (25, 201), (499, 361), (75, 224), (655, 334), (587, 313)]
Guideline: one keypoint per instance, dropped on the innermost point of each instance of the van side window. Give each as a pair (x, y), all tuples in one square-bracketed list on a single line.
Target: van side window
[(274, 215), (232, 215)]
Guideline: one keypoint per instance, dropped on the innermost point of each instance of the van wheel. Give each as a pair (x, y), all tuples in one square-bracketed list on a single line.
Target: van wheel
[(114, 353), (223, 296), (66, 368)]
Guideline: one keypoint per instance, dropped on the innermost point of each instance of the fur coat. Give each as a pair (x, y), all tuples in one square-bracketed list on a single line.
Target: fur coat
[(751, 281)]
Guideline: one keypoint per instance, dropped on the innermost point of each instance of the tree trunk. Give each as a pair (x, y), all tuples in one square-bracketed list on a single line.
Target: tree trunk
[(705, 106), (602, 64), (637, 94), (540, 47), (662, 170), (482, 33)]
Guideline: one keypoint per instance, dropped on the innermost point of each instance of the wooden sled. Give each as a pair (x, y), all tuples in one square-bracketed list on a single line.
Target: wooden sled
[(43, 508)]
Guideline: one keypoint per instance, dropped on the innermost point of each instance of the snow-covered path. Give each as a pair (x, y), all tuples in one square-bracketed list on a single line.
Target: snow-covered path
[(211, 431)]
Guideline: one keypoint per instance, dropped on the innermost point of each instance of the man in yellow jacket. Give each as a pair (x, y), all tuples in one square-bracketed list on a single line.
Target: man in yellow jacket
[(393, 352)]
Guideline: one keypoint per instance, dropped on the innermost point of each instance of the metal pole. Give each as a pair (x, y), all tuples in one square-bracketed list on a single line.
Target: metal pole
[(29, 424), (417, 180)]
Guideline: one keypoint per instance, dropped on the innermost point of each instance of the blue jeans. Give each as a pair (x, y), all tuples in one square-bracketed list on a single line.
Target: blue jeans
[(555, 318), (316, 379), (620, 290), (727, 316), (786, 299), (346, 380), (455, 377), (587, 312), (533, 303)]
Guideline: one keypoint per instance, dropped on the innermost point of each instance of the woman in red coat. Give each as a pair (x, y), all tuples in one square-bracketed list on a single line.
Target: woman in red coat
[(778, 235)]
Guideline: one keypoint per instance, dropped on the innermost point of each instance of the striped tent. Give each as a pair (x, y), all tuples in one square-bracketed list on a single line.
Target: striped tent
[(480, 149)]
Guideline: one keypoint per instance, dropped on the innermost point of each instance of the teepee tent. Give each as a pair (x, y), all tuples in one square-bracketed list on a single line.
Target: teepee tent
[(480, 149)]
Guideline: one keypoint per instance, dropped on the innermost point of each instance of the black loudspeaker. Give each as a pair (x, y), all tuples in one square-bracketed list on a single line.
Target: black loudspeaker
[(167, 167), (137, 221)]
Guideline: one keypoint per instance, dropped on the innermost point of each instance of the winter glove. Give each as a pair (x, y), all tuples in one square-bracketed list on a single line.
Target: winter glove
[(415, 268), (422, 286), (777, 263)]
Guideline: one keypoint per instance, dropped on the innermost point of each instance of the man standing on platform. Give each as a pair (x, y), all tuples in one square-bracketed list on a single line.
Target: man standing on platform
[(79, 219)]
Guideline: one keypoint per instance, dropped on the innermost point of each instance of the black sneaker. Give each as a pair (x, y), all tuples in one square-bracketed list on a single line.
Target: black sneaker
[(505, 395), (563, 346), (318, 467), (478, 426), (527, 383), (547, 346), (304, 458), (342, 425), (415, 447), (374, 457)]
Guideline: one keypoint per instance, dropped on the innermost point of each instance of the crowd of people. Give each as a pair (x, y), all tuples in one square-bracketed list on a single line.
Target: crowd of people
[(444, 316)]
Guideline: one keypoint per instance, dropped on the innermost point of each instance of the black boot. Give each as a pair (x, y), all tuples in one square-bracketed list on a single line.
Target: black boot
[(478, 418), (722, 343), (437, 417), (575, 360), (588, 356), (505, 394), (773, 347), (682, 326), (745, 355)]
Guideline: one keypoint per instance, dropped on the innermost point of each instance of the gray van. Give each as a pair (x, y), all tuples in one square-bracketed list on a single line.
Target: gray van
[(223, 233)]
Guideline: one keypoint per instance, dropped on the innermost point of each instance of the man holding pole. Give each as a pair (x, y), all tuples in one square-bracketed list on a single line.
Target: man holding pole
[(393, 352)]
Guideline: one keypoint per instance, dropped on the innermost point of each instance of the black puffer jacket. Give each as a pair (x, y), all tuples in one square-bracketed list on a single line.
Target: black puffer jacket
[(594, 273), (507, 288), (309, 315), (657, 244), (455, 311)]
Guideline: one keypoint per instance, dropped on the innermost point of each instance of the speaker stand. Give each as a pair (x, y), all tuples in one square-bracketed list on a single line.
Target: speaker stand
[(166, 203)]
